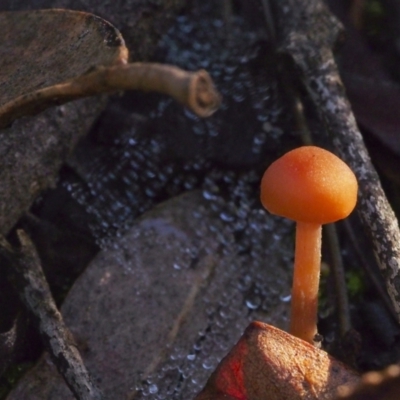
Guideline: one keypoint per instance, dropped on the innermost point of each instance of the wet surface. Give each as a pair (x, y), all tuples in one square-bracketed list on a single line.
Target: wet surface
[(147, 148), (158, 308), (157, 329), (142, 151)]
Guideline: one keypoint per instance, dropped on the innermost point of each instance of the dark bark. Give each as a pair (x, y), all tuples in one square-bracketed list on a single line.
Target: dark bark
[(26, 274)]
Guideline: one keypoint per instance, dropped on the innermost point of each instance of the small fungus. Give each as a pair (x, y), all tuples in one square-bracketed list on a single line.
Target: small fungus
[(311, 186)]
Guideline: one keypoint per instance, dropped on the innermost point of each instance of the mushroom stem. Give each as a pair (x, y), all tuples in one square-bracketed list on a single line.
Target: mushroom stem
[(303, 320)]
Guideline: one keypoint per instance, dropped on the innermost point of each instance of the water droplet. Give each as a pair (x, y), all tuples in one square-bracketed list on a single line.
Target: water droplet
[(227, 216), (153, 389), (253, 302), (207, 364), (286, 298)]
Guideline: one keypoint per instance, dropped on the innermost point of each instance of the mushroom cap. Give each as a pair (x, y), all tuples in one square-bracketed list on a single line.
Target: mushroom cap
[(309, 184)]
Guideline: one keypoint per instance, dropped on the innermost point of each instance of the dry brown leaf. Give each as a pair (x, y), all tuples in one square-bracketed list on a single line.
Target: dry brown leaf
[(269, 364), (39, 71), (49, 57), (41, 48), (38, 49)]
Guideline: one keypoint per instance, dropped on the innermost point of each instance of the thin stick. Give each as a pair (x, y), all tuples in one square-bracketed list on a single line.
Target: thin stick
[(27, 276), (307, 32), (227, 15), (342, 301), (194, 90), (270, 25), (366, 265)]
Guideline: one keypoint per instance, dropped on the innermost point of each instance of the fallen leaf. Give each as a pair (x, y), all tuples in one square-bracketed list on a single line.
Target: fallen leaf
[(161, 305), (53, 69), (37, 49), (141, 22), (39, 71), (270, 364), (45, 47)]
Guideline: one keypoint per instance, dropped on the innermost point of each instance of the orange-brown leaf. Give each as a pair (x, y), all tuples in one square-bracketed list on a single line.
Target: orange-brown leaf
[(269, 364)]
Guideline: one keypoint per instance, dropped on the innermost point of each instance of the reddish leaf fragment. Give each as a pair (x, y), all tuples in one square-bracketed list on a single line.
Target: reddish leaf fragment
[(269, 364)]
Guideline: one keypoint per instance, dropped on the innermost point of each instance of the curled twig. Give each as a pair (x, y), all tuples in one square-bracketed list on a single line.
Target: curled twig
[(307, 33), (27, 276), (195, 90)]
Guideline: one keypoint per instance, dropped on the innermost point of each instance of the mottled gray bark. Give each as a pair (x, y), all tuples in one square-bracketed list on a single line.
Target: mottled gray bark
[(32, 151), (28, 278), (307, 32)]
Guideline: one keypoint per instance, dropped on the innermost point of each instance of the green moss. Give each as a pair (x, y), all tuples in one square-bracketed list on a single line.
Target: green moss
[(355, 284), (11, 377), (374, 16)]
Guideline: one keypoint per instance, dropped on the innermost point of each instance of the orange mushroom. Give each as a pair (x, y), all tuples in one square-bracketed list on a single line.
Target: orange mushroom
[(312, 187)]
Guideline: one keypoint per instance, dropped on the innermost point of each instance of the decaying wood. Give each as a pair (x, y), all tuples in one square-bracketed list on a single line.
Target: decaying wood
[(28, 278), (307, 32), (193, 89), (269, 364)]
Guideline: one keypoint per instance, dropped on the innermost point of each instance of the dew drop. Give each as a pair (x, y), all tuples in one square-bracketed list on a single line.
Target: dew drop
[(285, 299), (253, 302), (153, 389)]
